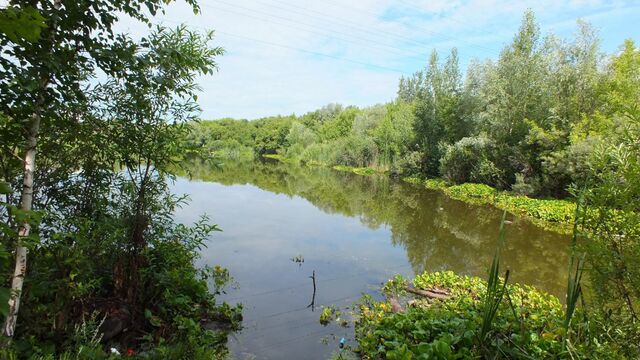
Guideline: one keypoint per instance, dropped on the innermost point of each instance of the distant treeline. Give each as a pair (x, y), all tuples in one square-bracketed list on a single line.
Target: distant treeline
[(528, 121)]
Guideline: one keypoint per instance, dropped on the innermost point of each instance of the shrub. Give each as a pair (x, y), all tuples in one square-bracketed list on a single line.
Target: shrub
[(468, 161), (356, 151), (409, 164), (323, 153), (521, 187)]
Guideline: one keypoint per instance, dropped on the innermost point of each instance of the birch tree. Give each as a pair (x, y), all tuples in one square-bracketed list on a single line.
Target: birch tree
[(38, 79)]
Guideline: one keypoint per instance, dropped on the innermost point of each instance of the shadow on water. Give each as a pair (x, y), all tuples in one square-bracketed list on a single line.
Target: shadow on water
[(355, 232)]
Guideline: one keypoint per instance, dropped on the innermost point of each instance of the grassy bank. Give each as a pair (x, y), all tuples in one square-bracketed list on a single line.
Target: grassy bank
[(552, 214)]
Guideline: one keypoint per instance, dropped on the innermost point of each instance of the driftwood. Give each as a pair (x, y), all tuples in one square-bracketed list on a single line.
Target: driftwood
[(431, 293), (434, 293)]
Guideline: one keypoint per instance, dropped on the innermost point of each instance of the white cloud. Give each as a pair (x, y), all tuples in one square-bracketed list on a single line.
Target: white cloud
[(258, 78)]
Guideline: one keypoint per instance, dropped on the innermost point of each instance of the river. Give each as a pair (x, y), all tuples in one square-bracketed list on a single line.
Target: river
[(283, 222)]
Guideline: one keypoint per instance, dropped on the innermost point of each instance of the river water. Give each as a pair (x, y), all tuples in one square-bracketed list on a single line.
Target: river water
[(283, 222)]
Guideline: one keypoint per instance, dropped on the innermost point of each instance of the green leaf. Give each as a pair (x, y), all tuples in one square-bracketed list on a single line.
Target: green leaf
[(5, 293), (5, 187), (21, 23)]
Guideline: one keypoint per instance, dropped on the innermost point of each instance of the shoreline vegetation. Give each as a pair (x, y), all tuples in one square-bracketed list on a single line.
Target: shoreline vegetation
[(442, 315), (550, 214)]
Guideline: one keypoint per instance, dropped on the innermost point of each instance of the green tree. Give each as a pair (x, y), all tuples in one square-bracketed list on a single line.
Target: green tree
[(394, 135), (21, 23), (299, 138), (438, 110), (145, 112), (612, 195), (338, 126), (515, 95), (271, 134), (315, 119), (410, 88), (42, 85)]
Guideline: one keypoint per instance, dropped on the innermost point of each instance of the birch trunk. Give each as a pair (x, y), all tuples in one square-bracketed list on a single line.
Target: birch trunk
[(26, 201)]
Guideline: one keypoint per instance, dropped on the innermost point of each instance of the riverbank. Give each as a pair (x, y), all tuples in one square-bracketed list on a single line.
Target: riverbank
[(551, 214)]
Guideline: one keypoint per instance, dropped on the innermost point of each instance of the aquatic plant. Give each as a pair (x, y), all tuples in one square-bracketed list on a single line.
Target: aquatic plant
[(448, 328)]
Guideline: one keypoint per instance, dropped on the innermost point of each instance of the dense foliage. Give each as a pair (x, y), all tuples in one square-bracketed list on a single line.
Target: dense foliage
[(108, 269), (611, 192)]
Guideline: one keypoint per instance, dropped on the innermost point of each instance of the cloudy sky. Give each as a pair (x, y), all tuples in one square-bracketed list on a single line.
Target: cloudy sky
[(293, 56)]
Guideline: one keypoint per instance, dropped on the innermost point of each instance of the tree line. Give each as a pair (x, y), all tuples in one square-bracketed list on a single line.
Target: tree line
[(527, 121)]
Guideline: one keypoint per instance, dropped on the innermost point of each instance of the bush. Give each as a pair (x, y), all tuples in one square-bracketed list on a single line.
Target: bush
[(521, 187), (468, 160), (410, 164), (368, 119), (356, 151), (322, 153), (61, 312)]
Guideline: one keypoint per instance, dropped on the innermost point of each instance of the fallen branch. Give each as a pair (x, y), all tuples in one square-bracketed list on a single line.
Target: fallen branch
[(431, 293)]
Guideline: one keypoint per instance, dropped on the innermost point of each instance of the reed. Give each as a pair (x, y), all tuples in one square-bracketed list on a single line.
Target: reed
[(495, 288), (574, 280)]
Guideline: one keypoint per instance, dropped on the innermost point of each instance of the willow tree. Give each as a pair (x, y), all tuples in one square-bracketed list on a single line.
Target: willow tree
[(438, 109), (39, 79)]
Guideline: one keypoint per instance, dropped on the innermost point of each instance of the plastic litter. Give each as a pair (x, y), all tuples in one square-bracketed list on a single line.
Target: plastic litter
[(342, 342)]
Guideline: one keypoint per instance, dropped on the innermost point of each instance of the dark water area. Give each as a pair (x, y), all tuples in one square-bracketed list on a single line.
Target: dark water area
[(355, 232)]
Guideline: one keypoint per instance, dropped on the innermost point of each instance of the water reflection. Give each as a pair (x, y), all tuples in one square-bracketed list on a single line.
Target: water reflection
[(354, 231)]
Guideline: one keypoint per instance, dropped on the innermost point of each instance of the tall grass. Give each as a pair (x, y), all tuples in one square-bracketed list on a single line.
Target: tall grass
[(495, 288), (574, 279)]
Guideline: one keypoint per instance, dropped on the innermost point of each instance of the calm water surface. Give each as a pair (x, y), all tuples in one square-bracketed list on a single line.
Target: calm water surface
[(355, 232)]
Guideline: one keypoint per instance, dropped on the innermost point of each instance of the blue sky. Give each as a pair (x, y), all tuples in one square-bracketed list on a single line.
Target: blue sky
[(288, 56)]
